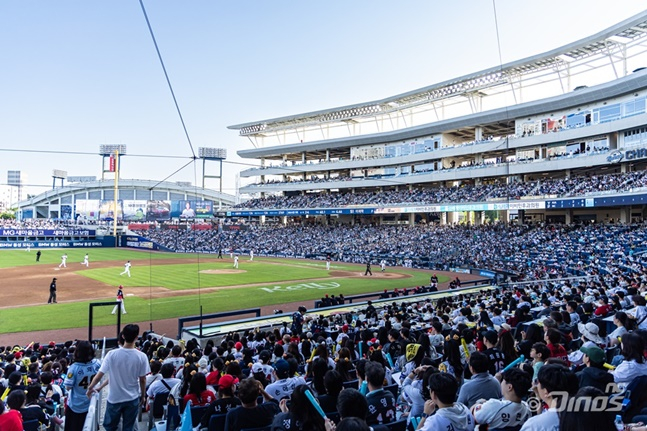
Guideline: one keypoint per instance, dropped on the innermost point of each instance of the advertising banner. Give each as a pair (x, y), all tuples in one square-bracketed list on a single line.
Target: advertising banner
[(107, 210), (158, 210), (135, 210), (88, 209), (191, 209)]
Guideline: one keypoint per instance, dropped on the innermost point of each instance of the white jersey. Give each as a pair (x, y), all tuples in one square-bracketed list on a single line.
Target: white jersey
[(501, 413)]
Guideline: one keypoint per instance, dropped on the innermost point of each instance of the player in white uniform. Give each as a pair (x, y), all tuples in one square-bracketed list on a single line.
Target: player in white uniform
[(251, 255), (383, 265), (126, 269), (236, 261), (63, 261), (29, 246), (328, 263), (86, 261)]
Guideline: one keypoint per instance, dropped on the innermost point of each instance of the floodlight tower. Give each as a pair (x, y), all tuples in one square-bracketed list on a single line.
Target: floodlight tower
[(112, 152), (57, 174), (213, 154)]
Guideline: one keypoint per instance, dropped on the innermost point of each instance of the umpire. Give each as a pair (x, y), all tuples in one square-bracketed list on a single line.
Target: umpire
[(52, 292)]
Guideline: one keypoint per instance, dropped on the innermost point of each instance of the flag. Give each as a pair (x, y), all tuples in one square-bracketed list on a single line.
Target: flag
[(187, 424)]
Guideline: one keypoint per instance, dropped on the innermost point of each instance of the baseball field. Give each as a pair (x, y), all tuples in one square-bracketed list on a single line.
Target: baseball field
[(169, 285)]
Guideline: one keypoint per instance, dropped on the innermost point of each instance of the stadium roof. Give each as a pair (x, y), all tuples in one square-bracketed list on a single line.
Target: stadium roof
[(124, 184), (610, 49)]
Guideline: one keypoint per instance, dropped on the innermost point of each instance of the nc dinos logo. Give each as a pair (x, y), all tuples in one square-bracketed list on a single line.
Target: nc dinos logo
[(615, 157)]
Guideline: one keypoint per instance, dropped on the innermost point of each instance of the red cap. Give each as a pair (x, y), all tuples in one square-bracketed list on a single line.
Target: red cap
[(238, 345), (227, 381)]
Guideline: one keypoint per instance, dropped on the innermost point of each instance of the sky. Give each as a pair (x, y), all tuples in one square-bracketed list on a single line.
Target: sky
[(77, 74)]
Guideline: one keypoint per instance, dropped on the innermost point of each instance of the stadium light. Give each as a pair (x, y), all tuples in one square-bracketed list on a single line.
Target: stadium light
[(109, 149), (212, 153), (57, 173)]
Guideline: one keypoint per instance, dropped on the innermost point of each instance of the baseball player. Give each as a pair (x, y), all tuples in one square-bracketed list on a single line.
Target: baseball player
[(86, 261), (126, 269), (63, 261), (120, 300), (28, 246), (328, 263), (251, 255), (383, 265), (368, 268), (236, 261)]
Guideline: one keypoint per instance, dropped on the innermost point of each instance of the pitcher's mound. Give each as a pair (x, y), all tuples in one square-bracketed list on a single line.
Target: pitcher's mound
[(222, 271)]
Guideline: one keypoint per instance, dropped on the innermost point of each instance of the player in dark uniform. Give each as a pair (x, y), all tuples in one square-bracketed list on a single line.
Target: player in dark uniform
[(368, 268), (38, 253)]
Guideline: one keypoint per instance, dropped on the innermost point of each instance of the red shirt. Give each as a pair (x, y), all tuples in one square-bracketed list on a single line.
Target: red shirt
[(11, 421), (558, 351), (213, 378), (603, 310), (206, 397)]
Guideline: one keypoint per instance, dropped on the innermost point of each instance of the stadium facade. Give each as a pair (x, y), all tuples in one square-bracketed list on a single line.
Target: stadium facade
[(137, 200), (576, 112)]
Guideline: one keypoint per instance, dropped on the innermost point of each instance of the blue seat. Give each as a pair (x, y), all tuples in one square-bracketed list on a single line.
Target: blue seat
[(353, 384), (31, 425), (400, 425), (196, 414), (217, 422)]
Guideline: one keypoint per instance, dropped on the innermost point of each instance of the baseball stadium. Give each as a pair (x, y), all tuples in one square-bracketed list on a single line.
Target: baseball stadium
[(474, 246)]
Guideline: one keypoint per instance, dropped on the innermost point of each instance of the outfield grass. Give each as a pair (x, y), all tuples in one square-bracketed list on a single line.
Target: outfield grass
[(276, 287), (13, 258)]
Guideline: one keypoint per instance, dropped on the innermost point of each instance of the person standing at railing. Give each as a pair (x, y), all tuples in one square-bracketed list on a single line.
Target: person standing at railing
[(77, 379), (127, 368)]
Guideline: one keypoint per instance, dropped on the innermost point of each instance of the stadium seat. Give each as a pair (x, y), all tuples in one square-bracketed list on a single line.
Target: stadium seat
[(353, 384), (31, 425), (400, 425), (393, 389), (217, 422), (333, 416), (157, 408), (196, 414)]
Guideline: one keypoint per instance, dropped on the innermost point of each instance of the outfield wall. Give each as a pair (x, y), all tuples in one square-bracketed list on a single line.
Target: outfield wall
[(108, 241)]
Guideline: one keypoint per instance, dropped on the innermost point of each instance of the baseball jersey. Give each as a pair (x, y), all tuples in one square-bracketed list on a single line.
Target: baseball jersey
[(77, 380), (501, 413)]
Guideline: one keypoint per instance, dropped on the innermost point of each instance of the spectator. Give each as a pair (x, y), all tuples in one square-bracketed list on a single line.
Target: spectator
[(300, 415), (634, 364), (594, 374), (226, 400), (441, 411), (198, 393), (127, 368), (80, 372), (351, 404), (511, 411), (11, 419), (284, 384), (553, 382), (249, 414), (482, 385), (381, 403)]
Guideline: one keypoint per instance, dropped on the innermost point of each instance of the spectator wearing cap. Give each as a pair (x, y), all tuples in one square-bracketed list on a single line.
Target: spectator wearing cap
[(250, 414), (284, 384), (589, 334), (594, 374), (238, 351), (225, 402), (258, 372)]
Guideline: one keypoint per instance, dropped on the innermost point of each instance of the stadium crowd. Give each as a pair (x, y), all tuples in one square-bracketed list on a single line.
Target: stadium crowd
[(531, 251), (458, 361), (573, 186)]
